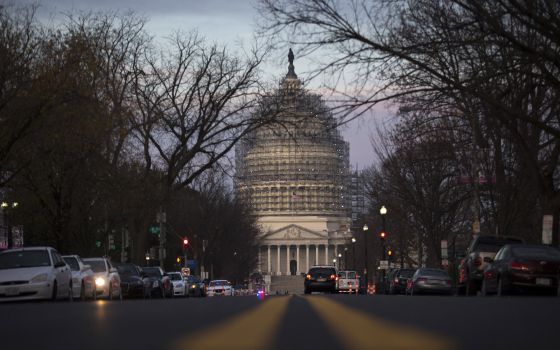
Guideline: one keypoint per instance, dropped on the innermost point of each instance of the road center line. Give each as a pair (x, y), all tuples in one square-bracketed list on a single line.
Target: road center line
[(358, 330), (254, 329)]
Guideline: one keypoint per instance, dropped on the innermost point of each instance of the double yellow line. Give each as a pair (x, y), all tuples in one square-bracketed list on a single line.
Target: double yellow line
[(257, 329)]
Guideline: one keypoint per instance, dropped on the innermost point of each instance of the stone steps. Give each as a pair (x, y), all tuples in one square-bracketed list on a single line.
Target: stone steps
[(286, 285)]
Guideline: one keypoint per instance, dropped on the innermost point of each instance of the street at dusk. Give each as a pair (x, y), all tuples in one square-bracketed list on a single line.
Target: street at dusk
[(286, 322), (279, 174)]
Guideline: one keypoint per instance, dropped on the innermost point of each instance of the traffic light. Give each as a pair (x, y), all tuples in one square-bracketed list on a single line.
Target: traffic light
[(178, 260), (185, 243), (382, 235), (112, 242), (390, 254)]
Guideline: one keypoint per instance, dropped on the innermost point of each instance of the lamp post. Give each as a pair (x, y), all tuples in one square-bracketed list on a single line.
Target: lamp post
[(383, 212), (6, 208), (354, 253), (339, 257), (365, 229), (334, 262), (346, 258)]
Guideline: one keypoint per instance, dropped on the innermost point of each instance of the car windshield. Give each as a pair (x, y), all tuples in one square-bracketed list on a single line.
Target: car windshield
[(536, 252), (29, 258), (406, 273), (218, 283), (351, 274), (434, 273), (153, 272), (492, 246), (341, 274), (128, 270), (73, 263), (322, 271), (97, 266), (175, 276)]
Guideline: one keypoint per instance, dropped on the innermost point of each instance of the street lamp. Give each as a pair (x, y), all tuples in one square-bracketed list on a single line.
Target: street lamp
[(354, 253), (334, 262), (383, 212), (6, 207), (365, 229), (339, 257)]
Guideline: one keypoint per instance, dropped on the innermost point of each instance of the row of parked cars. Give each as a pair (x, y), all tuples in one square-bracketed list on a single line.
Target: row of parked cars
[(492, 265), (42, 273)]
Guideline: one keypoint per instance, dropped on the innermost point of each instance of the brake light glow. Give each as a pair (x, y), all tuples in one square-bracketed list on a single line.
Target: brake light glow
[(333, 277), (514, 265), (308, 277), (477, 261)]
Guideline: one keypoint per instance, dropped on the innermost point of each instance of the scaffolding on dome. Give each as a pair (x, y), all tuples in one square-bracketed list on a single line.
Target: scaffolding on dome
[(299, 166)]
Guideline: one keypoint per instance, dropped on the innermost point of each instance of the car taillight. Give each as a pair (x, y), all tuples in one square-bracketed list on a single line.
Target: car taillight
[(333, 277), (308, 277), (477, 261), (514, 265), (396, 280)]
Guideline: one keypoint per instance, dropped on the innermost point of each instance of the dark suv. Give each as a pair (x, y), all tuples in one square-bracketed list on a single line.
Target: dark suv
[(320, 279), (471, 268)]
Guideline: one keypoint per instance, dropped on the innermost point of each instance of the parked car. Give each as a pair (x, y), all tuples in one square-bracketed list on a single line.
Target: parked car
[(348, 282), (161, 284), (107, 279), (133, 281), (195, 287), (522, 268), (34, 273), (83, 282), (320, 279), (471, 268), (384, 284), (428, 280), (397, 284), (219, 288), (179, 284)]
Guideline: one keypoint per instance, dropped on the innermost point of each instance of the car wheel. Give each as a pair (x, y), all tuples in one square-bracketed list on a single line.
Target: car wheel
[(83, 292), (483, 291), (500, 291), (470, 287), (54, 291), (70, 292)]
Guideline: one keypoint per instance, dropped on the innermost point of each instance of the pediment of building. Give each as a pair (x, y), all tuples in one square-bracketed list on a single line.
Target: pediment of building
[(292, 232)]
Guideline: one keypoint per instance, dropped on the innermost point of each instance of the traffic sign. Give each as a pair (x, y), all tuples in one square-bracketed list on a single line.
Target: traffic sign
[(154, 230), (383, 264)]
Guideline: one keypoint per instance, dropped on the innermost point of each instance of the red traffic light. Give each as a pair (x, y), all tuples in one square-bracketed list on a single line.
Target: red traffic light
[(382, 235), (185, 241)]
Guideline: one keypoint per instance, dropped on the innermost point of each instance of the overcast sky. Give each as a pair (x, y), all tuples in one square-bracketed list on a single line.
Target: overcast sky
[(228, 22)]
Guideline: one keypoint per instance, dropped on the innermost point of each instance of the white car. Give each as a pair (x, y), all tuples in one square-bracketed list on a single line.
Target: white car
[(34, 273), (348, 282), (83, 281), (219, 287), (107, 279), (179, 284)]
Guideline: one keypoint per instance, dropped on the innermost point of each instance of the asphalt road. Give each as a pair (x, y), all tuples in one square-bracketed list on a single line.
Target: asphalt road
[(286, 322)]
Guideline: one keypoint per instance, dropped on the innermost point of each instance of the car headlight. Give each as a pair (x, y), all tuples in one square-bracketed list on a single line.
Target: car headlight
[(100, 281), (39, 278), (155, 284)]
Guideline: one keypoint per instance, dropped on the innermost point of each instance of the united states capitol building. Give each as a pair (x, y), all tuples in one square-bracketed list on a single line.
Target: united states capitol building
[(295, 177)]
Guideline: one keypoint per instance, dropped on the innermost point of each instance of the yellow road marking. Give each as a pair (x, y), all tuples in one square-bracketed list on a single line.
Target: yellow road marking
[(358, 330), (254, 329)]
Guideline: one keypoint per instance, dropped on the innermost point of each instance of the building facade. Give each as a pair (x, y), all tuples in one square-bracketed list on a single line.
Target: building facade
[(294, 175)]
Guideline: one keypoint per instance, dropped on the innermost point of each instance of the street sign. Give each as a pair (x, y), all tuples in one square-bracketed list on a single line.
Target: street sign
[(154, 230), (383, 264)]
